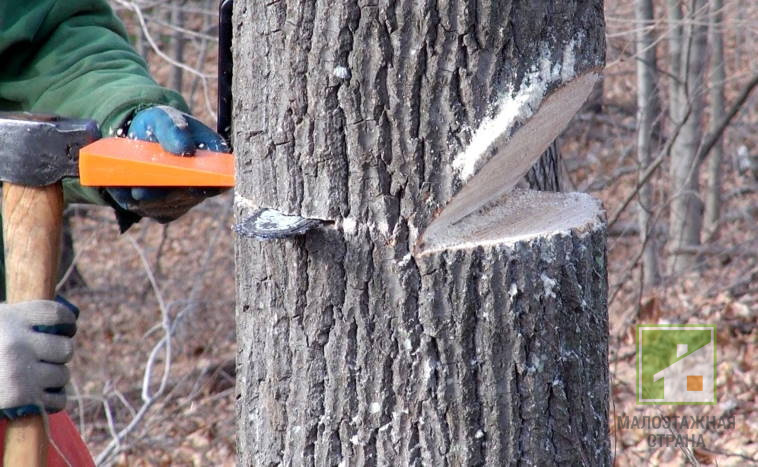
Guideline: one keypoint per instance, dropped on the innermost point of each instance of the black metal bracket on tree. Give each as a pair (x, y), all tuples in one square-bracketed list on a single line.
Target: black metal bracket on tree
[(225, 69)]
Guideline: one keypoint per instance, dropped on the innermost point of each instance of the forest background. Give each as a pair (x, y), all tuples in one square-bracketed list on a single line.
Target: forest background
[(669, 143)]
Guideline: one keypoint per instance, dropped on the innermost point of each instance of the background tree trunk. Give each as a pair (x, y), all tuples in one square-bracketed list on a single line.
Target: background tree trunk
[(647, 107), (546, 173), (356, 345), (718, 113), (176, 17), (687, 101)]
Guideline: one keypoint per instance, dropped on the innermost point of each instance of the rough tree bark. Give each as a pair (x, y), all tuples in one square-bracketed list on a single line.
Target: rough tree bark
[(438, 318), (546, 173)]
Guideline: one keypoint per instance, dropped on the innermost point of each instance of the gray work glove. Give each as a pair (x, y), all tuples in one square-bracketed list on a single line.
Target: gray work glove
[(35, 343)]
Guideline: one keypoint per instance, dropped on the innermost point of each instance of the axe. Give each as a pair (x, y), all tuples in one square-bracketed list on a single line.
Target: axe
[(37, 152)]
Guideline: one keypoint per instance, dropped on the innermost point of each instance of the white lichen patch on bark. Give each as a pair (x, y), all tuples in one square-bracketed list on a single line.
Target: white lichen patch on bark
[(549, 284), (349, 225), (244, 203), (404, 260), (518, 216), (513, 290), (341, 72), (569, 60)]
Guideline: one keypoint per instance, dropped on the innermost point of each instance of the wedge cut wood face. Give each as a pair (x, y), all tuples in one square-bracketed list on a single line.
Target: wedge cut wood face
[(129, 162), (492, 167), (516, 216)]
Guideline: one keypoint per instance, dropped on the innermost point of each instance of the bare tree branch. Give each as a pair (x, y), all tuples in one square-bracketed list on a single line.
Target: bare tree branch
[(712, 138), (645, 177), (203, 76)]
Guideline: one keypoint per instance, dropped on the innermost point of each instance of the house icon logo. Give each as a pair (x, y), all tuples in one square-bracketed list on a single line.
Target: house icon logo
[(676, 364)]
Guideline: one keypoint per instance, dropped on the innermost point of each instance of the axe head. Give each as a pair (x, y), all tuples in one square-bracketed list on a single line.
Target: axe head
[(39, 149)]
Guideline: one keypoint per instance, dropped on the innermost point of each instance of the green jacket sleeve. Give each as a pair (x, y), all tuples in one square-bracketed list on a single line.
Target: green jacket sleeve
[(73, 58)]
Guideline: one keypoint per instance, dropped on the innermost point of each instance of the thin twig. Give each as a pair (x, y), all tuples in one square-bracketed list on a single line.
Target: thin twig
[(203, 76), (687, 451), (163, 347), (712, 138), (72, 266), (650, 170), (124, 401), (111, 424), (188, 32), (79, 404)]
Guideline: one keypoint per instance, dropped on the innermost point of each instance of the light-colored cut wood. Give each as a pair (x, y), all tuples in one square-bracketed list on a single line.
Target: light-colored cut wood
[(509, 156), (31, 232)]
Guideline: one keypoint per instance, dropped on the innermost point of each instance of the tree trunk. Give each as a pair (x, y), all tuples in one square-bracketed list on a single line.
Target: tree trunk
[(437, 318), (675, 35), (686, 213), (718, 113), (646, 115), (176, 18), (546, 174)]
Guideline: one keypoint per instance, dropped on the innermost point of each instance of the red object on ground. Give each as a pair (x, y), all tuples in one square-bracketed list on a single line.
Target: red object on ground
[(66, 437)]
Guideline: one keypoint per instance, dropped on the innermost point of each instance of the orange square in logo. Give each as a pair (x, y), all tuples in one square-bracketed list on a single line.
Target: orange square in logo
[(694, 383)]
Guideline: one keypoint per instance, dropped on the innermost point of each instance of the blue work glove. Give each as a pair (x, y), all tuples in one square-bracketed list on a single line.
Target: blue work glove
[(35, 345), (179, 133)]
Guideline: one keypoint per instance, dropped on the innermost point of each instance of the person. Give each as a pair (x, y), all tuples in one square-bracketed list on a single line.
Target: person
[(73, 58)]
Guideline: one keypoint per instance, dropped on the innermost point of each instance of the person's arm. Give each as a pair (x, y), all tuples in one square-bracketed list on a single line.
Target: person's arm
[(73, 58)]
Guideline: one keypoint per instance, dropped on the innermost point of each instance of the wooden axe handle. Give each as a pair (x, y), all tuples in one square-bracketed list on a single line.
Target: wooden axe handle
[(32, 218)]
